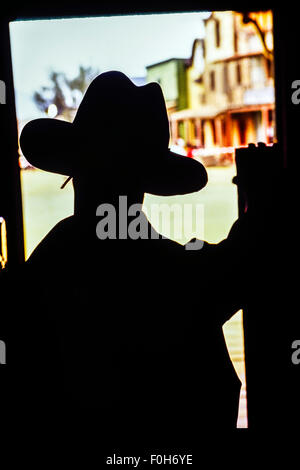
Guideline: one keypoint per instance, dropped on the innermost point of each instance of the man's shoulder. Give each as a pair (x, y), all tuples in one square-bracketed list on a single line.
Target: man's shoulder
[(56, 241)]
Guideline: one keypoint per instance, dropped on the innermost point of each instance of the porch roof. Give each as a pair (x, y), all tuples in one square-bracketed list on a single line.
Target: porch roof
[(210, 112)]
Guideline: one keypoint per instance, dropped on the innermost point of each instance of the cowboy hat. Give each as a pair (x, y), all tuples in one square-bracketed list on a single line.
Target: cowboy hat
[(119, 127)]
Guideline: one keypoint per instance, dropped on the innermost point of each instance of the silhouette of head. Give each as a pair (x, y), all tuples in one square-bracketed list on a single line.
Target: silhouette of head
[(120, 135)]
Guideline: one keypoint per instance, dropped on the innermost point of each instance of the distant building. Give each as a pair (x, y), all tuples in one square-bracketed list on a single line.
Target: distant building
[(230, 84), (171, 75), (228, 96)]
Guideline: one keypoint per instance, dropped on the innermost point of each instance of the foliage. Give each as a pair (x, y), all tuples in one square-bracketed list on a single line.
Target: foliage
[(63, 92)]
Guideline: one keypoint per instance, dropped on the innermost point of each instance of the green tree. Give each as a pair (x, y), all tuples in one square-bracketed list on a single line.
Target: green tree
[(63, 92)]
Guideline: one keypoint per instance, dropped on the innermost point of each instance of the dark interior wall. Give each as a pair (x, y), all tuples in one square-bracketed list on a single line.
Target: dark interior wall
[(282, 376), (10, 191), (56, 9)]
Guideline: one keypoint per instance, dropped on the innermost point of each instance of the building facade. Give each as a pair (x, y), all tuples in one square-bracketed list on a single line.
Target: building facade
[(229, 93), (172, 77)]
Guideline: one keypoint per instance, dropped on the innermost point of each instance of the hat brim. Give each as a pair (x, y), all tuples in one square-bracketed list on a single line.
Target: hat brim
[(176, 174), (54, 145), (50, 145)]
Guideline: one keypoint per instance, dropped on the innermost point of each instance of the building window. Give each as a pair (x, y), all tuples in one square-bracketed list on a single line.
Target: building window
[(225, 79), (217, 32), (238, 73), (257, 71), (235, 42), (212, 79), (269, 67)]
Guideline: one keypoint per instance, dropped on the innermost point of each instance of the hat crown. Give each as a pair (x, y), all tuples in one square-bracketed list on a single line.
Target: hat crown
[(118, 110)]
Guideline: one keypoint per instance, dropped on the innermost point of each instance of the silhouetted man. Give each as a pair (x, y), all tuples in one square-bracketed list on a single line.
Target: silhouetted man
[(120, 333)]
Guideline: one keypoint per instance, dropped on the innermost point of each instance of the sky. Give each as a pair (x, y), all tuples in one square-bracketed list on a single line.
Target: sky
[(125, 43)]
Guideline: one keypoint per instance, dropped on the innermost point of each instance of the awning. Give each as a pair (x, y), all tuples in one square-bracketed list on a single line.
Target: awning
[(205, 112)]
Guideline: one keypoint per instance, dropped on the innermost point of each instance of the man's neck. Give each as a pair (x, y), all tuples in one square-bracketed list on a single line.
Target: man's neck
[(87, 207)]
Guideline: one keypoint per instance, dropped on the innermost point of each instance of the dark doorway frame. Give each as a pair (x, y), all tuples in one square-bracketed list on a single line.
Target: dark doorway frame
[(287, 116)]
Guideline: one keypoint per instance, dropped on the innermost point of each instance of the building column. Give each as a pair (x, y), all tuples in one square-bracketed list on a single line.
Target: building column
[(228, 127), (186, 131), (199, 132), (219, 137), (208, 133), (174, 130)]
